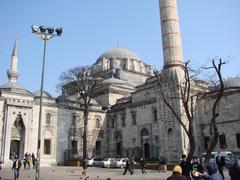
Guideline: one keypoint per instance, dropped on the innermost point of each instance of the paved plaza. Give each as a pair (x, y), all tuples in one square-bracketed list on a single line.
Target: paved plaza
[(68, 173)]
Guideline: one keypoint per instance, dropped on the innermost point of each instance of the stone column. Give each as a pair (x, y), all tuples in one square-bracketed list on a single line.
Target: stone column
[(171, 37)]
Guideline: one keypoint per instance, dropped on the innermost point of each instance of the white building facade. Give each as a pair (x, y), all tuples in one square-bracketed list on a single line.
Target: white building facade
[(127, 115)]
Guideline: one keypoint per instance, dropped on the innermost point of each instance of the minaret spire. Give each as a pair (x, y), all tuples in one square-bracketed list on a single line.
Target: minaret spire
[(12, 72), (171, 36)]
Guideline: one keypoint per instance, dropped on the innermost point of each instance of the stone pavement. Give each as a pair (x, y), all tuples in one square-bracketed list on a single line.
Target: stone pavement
[(69, 173)]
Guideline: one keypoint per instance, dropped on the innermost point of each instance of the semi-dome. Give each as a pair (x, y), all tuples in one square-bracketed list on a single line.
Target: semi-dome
[(64, 97), (232, 82), (118, 53), (45, 94), (113, 80), (15, 88)]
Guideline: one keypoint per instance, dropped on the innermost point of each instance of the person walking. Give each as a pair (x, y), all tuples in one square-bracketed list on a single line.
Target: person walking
[(220, 161), (143, 165), (127, 167), (186, 167), (234, 170), (1, 161), (85, 166), (160, 164), (33, 160), (16, 167), (176, 175), (132, 164)]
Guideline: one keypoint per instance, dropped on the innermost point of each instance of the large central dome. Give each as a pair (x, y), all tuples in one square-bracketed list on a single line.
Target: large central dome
[(118, 53)]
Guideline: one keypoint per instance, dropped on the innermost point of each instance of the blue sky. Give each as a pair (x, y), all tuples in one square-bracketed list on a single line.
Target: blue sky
[(210, 29)]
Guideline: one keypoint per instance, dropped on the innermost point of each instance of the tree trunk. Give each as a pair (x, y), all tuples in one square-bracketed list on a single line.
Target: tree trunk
[(85, 132), (212, 144), (192, 145)]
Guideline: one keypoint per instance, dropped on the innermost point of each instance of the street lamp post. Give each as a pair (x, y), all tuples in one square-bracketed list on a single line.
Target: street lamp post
[(44, 33)]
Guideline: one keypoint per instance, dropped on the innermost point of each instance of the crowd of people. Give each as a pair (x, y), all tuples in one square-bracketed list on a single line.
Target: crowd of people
[(185, 170), (195, 170), (28, 162)]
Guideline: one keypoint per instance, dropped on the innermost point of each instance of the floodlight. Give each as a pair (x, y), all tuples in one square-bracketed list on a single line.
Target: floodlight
[(43, 29), (59, 31), (34, 28), (50, 30)]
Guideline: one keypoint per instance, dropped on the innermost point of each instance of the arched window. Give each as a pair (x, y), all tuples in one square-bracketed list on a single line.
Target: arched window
[(144, 132), (74, 120), (170, 131), (48, 119), (97, 123)]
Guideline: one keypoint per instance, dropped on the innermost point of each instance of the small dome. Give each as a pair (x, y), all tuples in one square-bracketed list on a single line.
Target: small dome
[(118, 53), (45, 94), (232, 82), (64, 97), (15, 88)]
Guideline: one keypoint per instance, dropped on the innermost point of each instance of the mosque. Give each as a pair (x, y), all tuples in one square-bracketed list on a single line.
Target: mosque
[(127, 115)]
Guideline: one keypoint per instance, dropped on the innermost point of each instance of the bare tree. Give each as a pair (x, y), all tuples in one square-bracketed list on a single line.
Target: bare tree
[(182, 92), (185, 92), (81, 82), (219, 90)]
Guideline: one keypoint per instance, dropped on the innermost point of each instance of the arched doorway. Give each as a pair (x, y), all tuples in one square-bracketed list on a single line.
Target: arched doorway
[(17, 138), (145, 143)]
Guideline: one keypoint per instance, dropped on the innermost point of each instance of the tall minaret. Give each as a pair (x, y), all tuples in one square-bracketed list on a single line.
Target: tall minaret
[(171, 36), (12, 72)]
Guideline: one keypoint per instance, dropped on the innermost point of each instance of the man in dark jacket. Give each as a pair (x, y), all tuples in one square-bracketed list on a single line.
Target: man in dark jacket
[(234, 171), (16, 167), (177, 171), (127, 167), (196, 168), (186, 167), (220, 161)]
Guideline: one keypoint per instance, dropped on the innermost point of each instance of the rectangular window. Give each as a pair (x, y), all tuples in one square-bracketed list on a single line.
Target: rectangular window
[(47, 146), (112, 123), (206, 141), (101, 133), (238, 139), (155, 115), (134, 120), (123, 121), (222, 141), (98, 148), (119, 148), (74, 147)]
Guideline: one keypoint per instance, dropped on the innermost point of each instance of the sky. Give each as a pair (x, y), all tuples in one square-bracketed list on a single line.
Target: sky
[(210, 30)]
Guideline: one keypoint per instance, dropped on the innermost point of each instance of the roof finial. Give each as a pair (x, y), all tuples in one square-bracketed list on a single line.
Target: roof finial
[(118, 44)]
